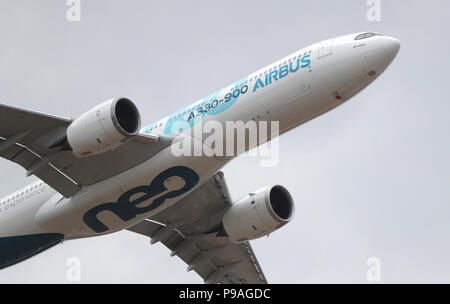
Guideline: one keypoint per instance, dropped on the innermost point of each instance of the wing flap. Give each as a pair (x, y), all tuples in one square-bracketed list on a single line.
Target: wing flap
[(19, 155), (58, 181)]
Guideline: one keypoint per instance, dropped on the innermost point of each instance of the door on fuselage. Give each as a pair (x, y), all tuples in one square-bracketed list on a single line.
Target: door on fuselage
[(325, 48)]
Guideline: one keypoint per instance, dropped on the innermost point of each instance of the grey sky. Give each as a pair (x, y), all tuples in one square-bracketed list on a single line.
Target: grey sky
[(370, 178)]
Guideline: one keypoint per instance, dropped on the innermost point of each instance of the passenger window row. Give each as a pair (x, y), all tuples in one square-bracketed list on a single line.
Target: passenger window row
[(25, 191)]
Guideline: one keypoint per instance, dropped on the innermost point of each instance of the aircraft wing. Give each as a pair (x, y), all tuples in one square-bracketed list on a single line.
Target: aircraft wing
[(26, 138), (189, 229)]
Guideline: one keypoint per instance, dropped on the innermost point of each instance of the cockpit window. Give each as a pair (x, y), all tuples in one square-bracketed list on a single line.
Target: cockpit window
[(366, 35)]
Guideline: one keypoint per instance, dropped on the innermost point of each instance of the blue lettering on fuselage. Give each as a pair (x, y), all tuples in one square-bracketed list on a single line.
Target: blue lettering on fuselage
[(282, 72), (222, 100), (127, 209)]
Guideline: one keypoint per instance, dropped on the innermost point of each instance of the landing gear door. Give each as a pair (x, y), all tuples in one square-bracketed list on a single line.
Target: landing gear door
[(325, 48)]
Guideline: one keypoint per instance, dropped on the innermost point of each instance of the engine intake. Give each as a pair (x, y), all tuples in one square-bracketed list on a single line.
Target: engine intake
[(126, 116), (259, 213), (104, 128)]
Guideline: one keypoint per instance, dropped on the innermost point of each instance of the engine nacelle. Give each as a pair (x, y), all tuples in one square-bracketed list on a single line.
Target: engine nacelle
[(104, 128), (258, 214)]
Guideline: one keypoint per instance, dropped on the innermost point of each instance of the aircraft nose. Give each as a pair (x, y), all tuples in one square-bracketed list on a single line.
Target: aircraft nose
[(381, 55), (391, 46), (387, 48)]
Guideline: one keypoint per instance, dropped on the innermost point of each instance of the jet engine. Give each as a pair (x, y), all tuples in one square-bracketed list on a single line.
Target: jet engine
[(258, 214), (104, 128)]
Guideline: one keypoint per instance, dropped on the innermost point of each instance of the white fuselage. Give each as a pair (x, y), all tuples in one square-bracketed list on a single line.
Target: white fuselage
[(292, 91)]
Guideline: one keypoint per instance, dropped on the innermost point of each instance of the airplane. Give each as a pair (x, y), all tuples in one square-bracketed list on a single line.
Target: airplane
[(102, 173)]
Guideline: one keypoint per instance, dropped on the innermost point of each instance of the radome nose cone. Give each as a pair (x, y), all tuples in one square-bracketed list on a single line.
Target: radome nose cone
[(392, 46)]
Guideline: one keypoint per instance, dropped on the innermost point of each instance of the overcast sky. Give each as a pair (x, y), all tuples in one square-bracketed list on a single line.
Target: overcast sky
[(369, 179)]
